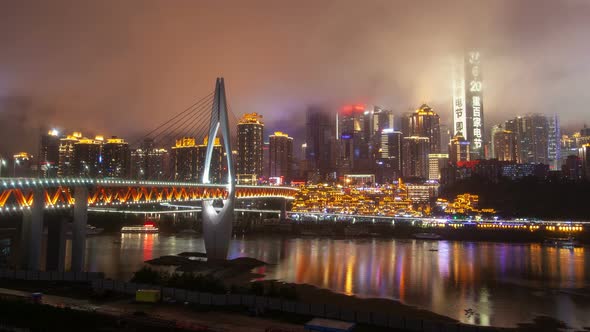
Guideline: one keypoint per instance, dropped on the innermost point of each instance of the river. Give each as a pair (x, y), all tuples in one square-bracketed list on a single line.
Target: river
[(503, 284)]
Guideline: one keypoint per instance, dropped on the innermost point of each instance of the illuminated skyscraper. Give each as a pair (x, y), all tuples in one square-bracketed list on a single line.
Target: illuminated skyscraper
[(150, 162), (554, 143), (504, 146), (532, 138), (436, 162), (48, 161), (250, 141), (280, 156), (116, 158), (185, 160), (415, 152), (459, 149), (66, 155), (389, 161), (424, 122), (22, 165), (320, 144), (468, 111), (87, 158), (217, 161)]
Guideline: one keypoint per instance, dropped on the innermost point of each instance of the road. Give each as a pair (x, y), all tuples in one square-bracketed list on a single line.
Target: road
[(214, 320)]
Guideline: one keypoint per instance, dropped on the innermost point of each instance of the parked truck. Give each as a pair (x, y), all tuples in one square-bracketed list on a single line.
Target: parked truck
[(148, 295)]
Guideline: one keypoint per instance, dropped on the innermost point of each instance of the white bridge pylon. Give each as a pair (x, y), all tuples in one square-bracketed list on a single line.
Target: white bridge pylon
[(217, 224)]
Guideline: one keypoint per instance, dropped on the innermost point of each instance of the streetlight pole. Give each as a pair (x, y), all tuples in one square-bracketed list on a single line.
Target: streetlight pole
[(2, 163), (14, 163)]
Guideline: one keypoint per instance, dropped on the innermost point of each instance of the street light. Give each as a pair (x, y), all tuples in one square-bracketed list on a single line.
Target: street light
[(16, 162), (2, 163)]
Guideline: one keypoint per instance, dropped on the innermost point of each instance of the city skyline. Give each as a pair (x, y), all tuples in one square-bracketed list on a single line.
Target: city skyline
[(142, 72)]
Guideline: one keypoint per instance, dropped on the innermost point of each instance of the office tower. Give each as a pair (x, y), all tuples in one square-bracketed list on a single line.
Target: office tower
[(436, 162), (320, 140), (185, 160), (389, 161), (445, 138), (504, 145), (532, 137), (22, 165), (116, 157), (584, 155), (495, 129), (553, 143), (415, 152), (459, 149), (424, 122), (87, 155), (216, 174), (249, 162), (65, 166), (48, 159), (280, 156), (585, 132), (468, 110)]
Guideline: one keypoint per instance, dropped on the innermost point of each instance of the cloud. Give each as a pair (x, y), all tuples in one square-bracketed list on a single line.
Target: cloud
[(120, 68)]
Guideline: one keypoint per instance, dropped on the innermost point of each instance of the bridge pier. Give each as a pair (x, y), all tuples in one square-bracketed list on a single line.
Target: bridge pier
[(79, 228), (56, 245), (32, 233), (283, 209)]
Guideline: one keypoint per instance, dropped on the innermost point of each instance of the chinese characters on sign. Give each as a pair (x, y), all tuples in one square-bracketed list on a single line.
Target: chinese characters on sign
[(475, 96), (459, 114)]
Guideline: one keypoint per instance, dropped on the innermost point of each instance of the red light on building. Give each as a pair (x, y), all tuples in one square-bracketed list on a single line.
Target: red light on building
[(468, 164)]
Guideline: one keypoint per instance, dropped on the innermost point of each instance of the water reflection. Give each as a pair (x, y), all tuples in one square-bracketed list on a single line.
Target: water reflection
[(502, 283)]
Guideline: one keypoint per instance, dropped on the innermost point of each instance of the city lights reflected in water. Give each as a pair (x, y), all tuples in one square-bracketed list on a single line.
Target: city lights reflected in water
[(503, 284)]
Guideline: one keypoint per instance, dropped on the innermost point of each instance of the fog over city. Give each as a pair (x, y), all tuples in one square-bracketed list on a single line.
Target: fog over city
[(122, 67)]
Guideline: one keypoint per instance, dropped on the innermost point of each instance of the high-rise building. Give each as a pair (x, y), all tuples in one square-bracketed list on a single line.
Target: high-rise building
[(65, 167), (504, 145), (415, 152), (585, 132), (424, 122), (495, 129), (389, 161), (554, 143), (584, 155), (22, 165), (445, 137), (250, 142), (320, 141), (185, 160), (48, 160), (87, 157), (217, 166), (436, 162), (459, 149), (572, 168), (116, 158), (468, 111), (280, 156), (532, 138), (149, 162), (356, 140)]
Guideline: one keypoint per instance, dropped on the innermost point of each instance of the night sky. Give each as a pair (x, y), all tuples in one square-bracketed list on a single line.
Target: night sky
[(121, 67)]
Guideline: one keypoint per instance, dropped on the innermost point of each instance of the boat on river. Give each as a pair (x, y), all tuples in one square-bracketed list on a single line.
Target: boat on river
[(149, 227), (565, 242), (427, 236)]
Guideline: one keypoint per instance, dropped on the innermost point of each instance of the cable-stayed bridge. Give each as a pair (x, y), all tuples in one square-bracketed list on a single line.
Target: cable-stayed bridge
[(210, 117)]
